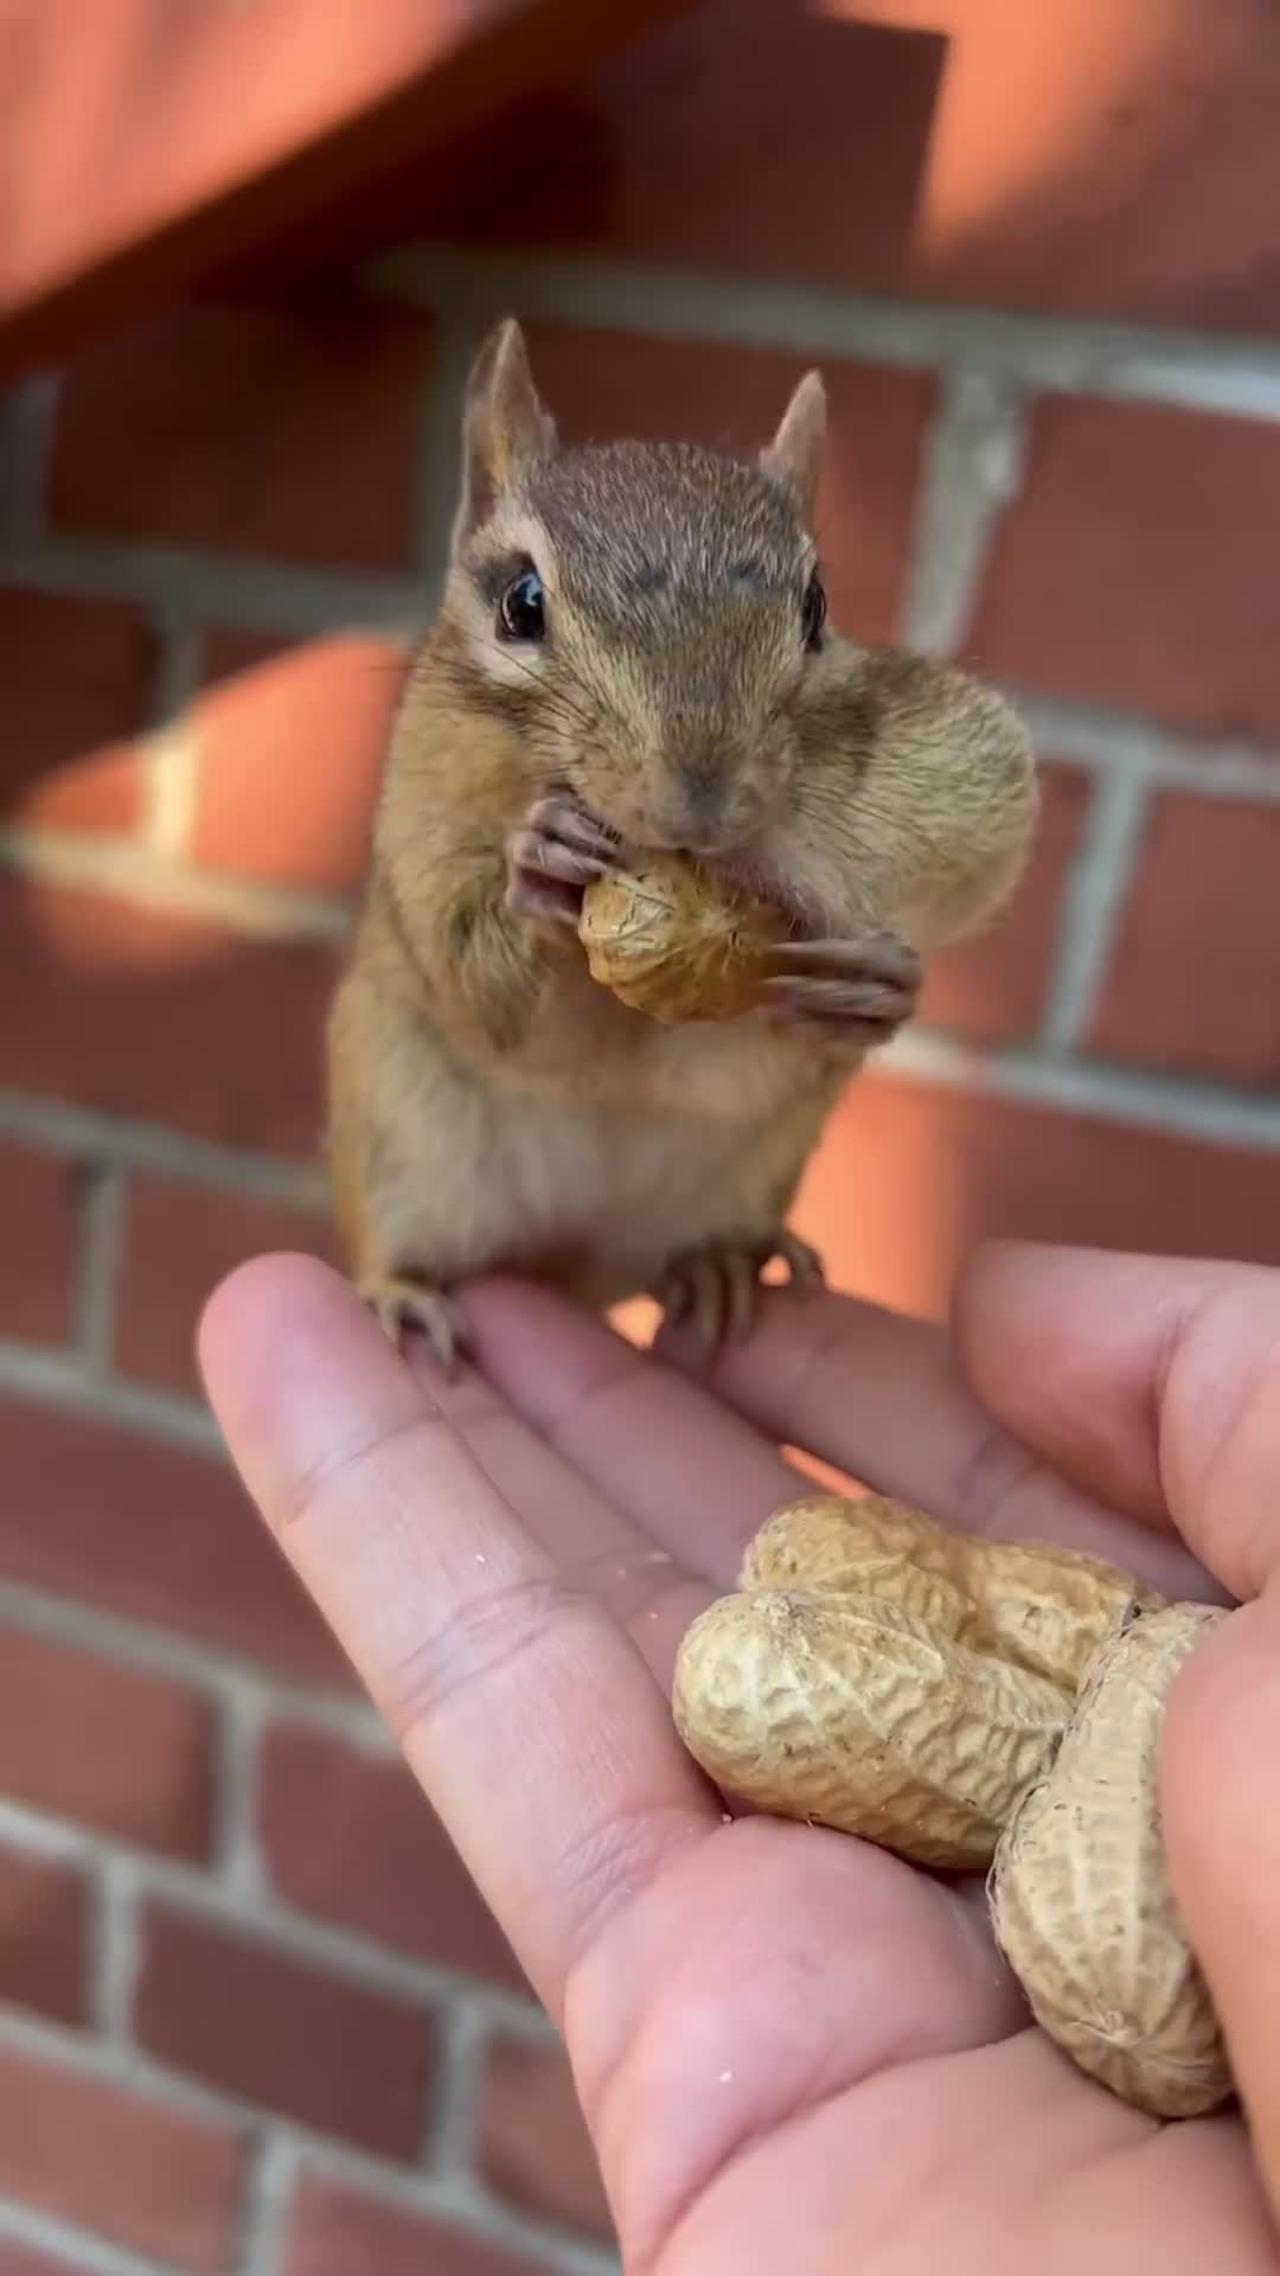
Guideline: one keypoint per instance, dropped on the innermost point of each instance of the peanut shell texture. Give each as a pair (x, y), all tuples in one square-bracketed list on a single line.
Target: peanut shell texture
[(676, 942), (854, 1713), (1080, 1893), (958, 1701), (1042, 1608)]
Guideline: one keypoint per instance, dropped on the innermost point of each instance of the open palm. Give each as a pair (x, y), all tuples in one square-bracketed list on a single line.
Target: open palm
[(795, 2053)]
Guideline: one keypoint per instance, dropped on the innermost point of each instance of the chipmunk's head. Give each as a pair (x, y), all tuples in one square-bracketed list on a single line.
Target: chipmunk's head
[(647, 613)]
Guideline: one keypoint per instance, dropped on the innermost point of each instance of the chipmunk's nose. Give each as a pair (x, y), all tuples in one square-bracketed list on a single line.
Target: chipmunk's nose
[(704, 793)]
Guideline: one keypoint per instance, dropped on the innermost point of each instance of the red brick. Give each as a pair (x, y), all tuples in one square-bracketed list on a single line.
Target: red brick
[(135, 2171), (45, 1932), (1195, 976), (534, 2148), (251, 2019), (651, 151), (16, 2260), (337, 2231), (348, 1836), (285, 431), (1135, 569), (292, 737), (605, 384), (1140, 188), (75, 686), (125, 1752), (910, 1175), (38, 1252), (972, 151), (143, 1529), (179, 1242), (161, 1017), (992, 988)]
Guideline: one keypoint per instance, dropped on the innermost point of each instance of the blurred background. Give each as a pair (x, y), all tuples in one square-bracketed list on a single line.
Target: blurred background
[(255, 2022)]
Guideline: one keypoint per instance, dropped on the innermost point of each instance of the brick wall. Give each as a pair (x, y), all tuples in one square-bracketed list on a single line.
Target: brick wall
[(256, 2024)]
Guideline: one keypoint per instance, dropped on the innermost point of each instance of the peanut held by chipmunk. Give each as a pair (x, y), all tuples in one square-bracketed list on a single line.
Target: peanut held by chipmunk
[(632, 683)]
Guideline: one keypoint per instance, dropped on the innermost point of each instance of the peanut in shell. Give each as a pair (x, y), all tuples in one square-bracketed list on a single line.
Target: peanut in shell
[(1081, 1898), (674, 941), (1042, 1608), (855, 1714)]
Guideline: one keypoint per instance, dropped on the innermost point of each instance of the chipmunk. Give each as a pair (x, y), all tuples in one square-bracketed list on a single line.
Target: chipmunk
[(632, 653)]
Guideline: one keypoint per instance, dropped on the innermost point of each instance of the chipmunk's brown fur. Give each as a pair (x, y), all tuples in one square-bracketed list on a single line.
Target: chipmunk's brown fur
[(490, 1105)]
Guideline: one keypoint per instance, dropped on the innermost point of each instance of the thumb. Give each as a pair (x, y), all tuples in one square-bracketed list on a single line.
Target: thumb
[(1220, 1791)]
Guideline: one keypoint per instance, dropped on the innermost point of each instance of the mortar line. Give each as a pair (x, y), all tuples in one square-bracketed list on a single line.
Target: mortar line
[(170, 752), (1109, 1091), (449, 2137), (1072, 725), (302, 2149), (973, 467), (60, 1381), (271, 2181), (65, 2243), (216, 587), (1172, 1105), (452, 2200), (161, 1151), (218, 1675), (237, 1859), (1094, 901), (170, 762), (457, 338), (1126, 739), (1112, 1092), (116, 1951), (1236, 374), (136, 870), (100, 1227), (191, 1890), (1230, 774), (28, 418)]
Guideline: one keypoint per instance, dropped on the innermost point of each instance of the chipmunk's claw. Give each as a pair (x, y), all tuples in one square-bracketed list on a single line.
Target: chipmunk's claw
[(862, 990), (805, 1267), (405, 1306), (710, 1296), (557, 852)]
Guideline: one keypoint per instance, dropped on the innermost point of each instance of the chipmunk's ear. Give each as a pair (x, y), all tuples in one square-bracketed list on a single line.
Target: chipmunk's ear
[(794, 454), (505, 428)]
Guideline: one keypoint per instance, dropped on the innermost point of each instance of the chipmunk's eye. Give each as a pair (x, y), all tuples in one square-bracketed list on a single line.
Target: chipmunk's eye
[(522, 611), (813, 614)]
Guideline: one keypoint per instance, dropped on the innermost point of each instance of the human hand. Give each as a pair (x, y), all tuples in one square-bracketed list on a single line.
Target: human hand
[(794, 2051)]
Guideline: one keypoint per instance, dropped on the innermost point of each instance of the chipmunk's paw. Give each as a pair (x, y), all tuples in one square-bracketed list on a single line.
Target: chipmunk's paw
[(403, 1305), (558, 850), (861, 990), (710, 1295)]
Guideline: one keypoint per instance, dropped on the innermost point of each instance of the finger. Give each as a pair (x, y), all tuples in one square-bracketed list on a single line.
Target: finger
[(541, 897), (592, 1544), (550, 857), (868, 956), (1153, 1381), (1067, 1347), (698, 1479), (528, 1718), (1221, 1744), (564, 818), (861, 1003), (876, 1396)]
